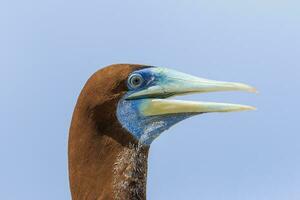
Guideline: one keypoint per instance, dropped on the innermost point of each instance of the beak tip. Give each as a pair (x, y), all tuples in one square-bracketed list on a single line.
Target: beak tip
[(250, 89), (254, 90), (251, 108)]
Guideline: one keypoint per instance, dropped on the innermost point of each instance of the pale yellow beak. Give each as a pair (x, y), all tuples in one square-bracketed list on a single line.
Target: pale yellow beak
[(152, 107), (172, 83)]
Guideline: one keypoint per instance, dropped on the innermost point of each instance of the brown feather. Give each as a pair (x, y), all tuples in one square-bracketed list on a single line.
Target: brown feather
[(105, 161)]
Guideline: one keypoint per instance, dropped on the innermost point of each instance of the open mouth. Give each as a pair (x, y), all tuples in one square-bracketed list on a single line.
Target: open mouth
[(156, 102)]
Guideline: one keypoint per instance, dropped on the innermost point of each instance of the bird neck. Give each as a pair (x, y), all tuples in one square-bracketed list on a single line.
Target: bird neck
[(130, 173), (105, 163)]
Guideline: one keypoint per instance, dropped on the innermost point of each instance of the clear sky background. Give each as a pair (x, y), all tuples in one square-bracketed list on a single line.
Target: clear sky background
[(49, 48)]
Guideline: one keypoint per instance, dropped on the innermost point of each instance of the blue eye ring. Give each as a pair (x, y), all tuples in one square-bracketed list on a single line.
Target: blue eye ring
[(135, 81)]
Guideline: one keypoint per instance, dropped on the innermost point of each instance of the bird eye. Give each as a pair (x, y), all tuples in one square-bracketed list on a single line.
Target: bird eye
[(135, 80)]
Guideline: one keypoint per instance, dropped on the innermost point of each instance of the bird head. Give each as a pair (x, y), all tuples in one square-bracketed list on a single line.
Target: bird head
[(119, 113), (136, 96)]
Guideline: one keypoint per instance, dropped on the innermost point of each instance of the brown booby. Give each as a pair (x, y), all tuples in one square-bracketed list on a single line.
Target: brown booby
[(120, 111)]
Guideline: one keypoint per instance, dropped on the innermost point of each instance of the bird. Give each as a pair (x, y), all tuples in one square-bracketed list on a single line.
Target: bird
[(120, 111)]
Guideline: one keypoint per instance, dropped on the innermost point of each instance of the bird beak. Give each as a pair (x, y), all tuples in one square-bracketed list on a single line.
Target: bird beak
[(170, 83)]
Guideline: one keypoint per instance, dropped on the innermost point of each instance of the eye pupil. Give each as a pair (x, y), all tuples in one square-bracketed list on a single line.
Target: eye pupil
[(136, 80)]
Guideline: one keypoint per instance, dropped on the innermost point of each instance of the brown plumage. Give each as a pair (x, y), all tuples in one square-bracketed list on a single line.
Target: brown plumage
[(105, 162)]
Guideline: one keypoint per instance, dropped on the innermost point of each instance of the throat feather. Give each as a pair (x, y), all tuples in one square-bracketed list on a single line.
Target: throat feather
[(130, 173)]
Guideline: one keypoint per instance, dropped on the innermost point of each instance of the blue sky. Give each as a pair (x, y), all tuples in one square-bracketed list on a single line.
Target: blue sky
[(49, 49)]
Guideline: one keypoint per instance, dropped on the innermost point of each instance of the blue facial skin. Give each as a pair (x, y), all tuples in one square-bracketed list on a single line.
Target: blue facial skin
[(145, 128)]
